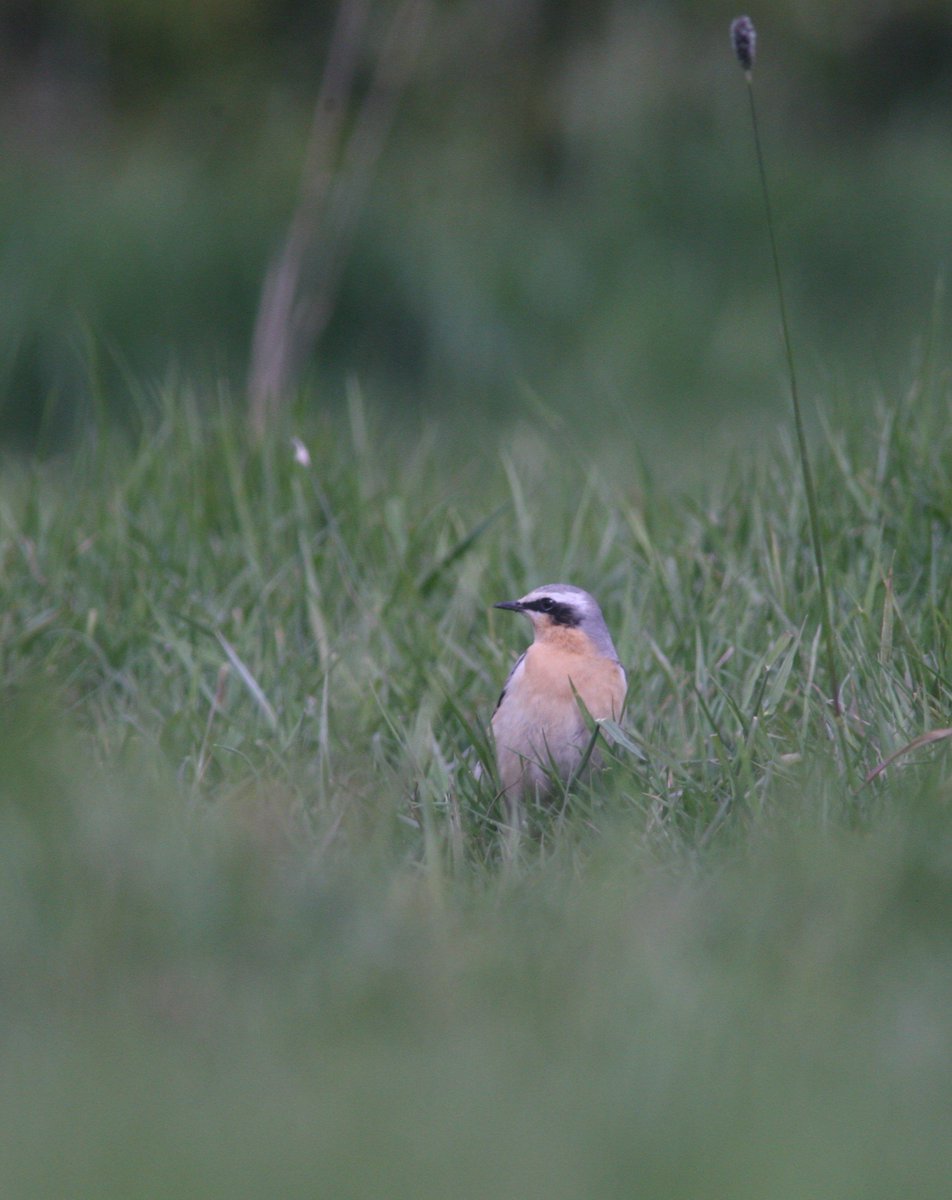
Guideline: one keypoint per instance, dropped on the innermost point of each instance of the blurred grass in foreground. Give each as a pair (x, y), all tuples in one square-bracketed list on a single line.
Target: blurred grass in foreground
[(190, 1007), (257, 938)]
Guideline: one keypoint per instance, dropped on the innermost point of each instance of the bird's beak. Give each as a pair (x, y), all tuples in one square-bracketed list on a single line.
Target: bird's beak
[(515, 605)]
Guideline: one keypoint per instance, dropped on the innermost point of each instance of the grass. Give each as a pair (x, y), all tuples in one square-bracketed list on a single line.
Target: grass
[(259, 937), (744, 38)]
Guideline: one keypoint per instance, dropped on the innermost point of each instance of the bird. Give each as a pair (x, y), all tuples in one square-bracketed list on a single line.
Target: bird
[(539, 725)]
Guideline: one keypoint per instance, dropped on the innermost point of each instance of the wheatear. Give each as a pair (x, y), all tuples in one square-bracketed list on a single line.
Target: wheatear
[(539, 726)]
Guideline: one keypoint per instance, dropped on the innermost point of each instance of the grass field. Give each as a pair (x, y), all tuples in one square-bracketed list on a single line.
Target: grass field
[(259, 937)]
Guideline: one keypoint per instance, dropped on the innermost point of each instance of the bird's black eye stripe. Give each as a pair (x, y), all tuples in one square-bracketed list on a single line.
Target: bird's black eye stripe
[(561, 614)]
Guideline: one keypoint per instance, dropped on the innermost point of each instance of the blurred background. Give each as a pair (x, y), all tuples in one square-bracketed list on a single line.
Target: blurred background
[(565, 207)]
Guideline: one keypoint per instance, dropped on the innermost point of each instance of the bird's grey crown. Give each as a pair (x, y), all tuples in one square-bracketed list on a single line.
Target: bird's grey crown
[(584, 608)]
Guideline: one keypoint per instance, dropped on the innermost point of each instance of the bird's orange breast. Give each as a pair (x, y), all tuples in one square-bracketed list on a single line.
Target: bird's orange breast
[(559, 667)]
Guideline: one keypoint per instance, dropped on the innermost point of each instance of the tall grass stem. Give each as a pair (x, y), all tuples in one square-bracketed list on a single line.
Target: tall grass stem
[(808, 484)]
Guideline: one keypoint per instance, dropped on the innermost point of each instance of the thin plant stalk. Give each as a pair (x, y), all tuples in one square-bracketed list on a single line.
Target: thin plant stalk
[(744, 40), (301, 284)]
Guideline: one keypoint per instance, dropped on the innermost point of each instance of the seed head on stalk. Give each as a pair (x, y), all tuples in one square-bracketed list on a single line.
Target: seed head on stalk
[(744, 41)]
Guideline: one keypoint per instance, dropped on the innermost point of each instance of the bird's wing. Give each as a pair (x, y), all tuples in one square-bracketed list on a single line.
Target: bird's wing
[(502, 695)]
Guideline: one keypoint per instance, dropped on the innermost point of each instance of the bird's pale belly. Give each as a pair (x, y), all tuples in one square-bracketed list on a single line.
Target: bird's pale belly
[(540, 727)]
